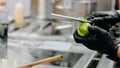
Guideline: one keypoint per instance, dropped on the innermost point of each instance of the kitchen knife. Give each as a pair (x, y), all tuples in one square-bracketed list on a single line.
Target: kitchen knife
[(58, 16)]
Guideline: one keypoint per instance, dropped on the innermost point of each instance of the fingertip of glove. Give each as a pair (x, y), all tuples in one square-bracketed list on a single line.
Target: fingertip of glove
[(91, 28), (76, 37), (95, 29), (75, 34)]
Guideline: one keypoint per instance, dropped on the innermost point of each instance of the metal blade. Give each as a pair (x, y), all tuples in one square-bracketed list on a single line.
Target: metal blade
[(66, 17)]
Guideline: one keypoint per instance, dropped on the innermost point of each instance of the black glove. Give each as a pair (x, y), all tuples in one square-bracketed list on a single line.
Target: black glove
[(115, 31), (99, 40), (104, 19)]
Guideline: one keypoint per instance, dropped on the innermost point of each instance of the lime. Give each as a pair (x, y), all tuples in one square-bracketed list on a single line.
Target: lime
[(83, 29)]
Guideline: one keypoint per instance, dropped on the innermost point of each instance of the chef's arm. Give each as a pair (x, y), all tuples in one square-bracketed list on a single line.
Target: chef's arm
[(118, 52)]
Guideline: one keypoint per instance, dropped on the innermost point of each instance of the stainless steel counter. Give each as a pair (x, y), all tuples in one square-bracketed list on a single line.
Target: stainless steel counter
[(24, 44)]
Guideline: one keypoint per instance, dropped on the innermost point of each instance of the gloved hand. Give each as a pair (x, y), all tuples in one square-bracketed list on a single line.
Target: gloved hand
[(104, 19), (99, 40)]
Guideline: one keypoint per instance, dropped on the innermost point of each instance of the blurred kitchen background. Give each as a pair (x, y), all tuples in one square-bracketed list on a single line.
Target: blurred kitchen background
[(35, 34)]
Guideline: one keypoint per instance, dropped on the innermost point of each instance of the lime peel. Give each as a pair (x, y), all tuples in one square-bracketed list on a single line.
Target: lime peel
[(82, 19), (83, 27)]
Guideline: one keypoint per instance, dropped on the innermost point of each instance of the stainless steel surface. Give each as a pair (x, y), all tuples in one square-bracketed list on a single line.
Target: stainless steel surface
[(7, 63), (105, 63), (34, 36), (48, 66), (76, 57), (30, 52), (85, 60)]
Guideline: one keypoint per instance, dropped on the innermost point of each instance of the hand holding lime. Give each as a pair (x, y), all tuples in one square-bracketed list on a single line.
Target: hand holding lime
[(83, 28)]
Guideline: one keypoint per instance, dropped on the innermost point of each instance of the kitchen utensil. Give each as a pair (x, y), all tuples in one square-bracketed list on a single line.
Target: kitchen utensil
[(67, 18), (58, 57)]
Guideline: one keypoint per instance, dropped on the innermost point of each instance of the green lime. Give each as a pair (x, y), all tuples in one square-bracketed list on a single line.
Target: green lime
[(83, 29)]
